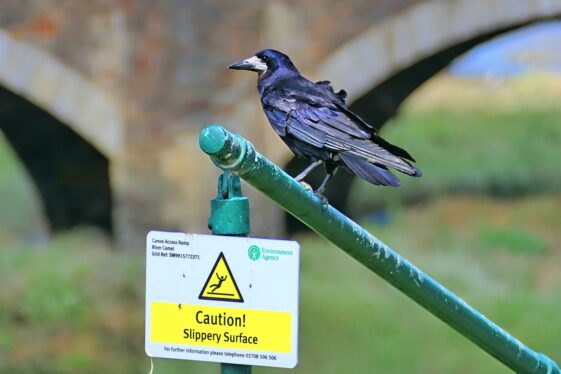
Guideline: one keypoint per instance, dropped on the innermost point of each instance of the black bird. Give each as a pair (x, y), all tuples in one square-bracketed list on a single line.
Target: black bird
[(315, 123)]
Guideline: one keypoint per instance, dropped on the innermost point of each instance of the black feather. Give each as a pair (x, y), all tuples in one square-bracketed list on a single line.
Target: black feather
[(342, 94), (371, 173)]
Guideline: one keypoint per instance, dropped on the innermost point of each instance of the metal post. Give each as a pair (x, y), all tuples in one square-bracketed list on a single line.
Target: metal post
[(231, 152), (229, 215)]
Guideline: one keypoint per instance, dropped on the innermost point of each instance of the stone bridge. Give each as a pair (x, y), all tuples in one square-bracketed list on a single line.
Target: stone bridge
[(103, 101)]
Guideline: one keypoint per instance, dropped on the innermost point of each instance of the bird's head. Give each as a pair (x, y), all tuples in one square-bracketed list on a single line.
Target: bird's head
[(265, 62)]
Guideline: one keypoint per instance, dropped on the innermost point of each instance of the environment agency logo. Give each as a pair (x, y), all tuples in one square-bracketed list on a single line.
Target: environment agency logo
[(254, 252)]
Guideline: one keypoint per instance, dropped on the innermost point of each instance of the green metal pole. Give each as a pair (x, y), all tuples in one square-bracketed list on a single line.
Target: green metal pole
[(231, 152), (229, 215)]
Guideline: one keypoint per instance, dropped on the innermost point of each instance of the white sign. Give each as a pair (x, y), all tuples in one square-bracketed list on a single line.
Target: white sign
[(222, 299)]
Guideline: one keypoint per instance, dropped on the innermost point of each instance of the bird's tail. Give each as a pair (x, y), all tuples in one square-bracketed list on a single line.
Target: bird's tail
[(371, 173), (371, 161)]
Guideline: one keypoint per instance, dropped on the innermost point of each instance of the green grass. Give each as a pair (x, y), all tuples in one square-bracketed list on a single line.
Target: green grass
[(486, 146), (70, 306), (513, 239), (76, 306), (20, 209)]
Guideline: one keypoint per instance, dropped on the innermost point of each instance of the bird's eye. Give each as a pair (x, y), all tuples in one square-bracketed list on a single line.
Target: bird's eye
[(265, 59)]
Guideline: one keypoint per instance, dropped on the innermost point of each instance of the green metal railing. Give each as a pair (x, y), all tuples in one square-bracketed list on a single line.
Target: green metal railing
[(232, 153)]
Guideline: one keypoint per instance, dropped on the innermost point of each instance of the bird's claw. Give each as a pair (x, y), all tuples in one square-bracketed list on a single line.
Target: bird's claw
[(306, 186), (318, 193), (323, 198)]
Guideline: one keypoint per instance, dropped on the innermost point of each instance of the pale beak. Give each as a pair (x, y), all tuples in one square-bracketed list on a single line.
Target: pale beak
[(253, 63)]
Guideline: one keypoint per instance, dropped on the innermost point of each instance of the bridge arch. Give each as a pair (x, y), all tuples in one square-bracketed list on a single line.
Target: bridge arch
[(65, 131)]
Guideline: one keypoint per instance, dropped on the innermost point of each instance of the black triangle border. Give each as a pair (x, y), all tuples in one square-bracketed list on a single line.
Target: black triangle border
[(201, 297)]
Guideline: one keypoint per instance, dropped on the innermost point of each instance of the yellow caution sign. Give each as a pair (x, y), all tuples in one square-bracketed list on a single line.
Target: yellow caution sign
[(220, 284), (222, 299), (221, 327)]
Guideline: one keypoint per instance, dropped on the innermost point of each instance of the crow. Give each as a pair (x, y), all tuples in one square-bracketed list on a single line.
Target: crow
[(314, 122)]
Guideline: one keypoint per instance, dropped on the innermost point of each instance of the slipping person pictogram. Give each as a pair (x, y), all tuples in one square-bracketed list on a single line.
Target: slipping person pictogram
[(220, 284)]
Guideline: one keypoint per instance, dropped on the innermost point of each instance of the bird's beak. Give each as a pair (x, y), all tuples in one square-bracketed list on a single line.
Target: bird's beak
[(253, 64)]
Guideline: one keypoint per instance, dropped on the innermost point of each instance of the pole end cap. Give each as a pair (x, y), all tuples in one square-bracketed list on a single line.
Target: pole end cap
[(213, 139)]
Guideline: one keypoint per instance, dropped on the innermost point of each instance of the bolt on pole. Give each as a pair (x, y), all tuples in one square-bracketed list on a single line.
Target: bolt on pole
[(233, 153), (229, 215)]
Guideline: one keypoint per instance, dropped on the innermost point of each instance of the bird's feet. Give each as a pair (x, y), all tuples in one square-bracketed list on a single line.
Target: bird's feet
[(319, 193), (306, 186), (323, 198)]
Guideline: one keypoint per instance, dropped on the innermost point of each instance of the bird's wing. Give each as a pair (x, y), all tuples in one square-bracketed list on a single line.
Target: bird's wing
[(314, 101), (321, 94), (328, 133), (326, 127)]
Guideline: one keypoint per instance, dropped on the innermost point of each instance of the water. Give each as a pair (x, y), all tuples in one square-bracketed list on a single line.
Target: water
[(535, 48)]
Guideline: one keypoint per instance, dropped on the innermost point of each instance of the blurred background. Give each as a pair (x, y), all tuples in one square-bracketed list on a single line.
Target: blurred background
[(101, 103)]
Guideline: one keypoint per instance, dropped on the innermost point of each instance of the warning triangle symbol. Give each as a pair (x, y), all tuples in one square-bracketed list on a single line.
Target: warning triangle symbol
[(220, 284)]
